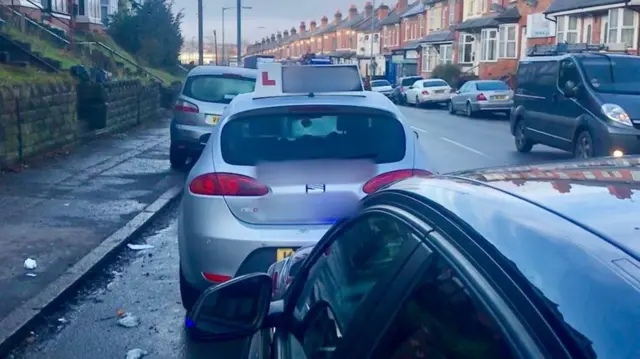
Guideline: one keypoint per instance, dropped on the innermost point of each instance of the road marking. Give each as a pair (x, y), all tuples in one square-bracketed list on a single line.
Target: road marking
[(465, 147), (419, 129)]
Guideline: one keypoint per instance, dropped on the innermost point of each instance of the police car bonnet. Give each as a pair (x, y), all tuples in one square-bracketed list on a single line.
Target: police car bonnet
[(275, 79)]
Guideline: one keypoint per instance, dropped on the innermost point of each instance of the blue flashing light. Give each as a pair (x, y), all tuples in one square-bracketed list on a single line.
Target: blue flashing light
[(189, 323)]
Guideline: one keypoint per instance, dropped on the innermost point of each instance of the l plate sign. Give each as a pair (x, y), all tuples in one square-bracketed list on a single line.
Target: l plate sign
[(315, 188)]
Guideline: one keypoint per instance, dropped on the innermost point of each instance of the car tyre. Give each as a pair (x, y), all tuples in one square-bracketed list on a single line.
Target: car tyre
[(523, 144), (583, 147), (188, 293), (177, 156), (469, 111), (452, 109)]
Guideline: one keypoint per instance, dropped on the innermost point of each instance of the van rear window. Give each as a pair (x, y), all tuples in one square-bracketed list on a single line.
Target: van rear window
[(310, 135), (217, 88)]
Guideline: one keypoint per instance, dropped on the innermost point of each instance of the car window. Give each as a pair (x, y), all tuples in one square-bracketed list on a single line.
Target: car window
[(418, 83), (217, 88), (344, 275), (434, 83), (380, 83), (492, 86), (410, 80), (568, 74), (466, 87), (538, 77), (441, 320)]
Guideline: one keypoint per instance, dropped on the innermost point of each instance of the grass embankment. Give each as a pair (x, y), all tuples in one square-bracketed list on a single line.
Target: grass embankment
[(11, 75), (67, 59)]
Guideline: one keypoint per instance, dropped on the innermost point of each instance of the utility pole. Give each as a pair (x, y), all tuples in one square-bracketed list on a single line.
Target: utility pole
[(200, 35), (239, 29), (224, 51), (372, 66), (215, 45)]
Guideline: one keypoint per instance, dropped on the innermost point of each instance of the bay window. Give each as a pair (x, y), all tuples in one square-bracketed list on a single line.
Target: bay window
[(465, 55), (488, 45), (567, 29), (622, 23), (452, 12), (432, 19), (421, 19), (396, 37), (406, 29), (429, 58), (446, 54), (508, 43), (385, 35)]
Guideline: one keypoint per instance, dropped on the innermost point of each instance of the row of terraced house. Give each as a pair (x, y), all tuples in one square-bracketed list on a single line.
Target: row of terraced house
[(485, 37)]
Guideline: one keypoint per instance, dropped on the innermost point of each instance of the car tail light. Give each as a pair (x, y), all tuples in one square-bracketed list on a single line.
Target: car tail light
[(425, 92), (184, 106), (384, 179), (481, 97), (401, 89), (227, 184), (216, 278)]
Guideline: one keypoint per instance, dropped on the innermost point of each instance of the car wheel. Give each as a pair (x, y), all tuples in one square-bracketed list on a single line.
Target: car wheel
[(469, 111), (188, 294), (452, 109), (523, 144), (177, 156), (583, 146)]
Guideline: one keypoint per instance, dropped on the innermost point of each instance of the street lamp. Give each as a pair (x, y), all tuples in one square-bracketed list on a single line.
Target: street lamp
[(223, 47)]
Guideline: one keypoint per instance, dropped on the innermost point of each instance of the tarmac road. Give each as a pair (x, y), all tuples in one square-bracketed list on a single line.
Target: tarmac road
[(146, 283)]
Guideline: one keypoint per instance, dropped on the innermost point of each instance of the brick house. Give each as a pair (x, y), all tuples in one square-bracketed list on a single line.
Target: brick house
[(393, 38), (438, 44), (317, 35), (347, 37), (609, 22), (412, 29)]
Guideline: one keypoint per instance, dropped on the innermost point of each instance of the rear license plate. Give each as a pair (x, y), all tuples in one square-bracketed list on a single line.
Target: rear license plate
[(499, 97), (439, 91), (212, 119), (283, 253)]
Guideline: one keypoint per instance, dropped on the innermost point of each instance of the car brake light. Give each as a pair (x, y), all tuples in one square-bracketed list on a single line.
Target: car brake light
[(216, 278), (386, 178), (184, 106), (481, 97), (401, 89), (425, 92), (227, 184)]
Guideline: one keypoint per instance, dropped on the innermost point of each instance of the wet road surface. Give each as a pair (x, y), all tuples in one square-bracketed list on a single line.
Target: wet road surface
[(146, 283)]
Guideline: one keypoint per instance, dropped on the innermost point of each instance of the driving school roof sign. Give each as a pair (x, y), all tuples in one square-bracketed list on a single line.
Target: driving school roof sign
[(275, 79)]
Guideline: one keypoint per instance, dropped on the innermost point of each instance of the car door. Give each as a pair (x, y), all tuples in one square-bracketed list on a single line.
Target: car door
[(461, 99), (563, 118), (457, 97), (345, 276), (413, 90)]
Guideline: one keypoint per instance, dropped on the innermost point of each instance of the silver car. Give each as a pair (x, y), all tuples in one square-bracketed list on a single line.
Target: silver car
[(278, 171), (206, 92), (382, 86), (482, 96)]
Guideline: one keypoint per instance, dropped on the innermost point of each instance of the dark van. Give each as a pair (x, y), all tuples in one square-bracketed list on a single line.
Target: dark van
[(578, 99)]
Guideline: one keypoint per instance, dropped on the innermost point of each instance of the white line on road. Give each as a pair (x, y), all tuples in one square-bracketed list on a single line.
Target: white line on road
[(465, 147), (419, 129)]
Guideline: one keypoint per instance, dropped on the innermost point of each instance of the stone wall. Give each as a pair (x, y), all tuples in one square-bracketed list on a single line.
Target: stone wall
[(36, 118)]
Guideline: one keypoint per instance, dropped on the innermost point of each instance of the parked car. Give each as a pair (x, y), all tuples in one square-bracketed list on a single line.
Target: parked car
[(402, 84), (206, 92), (382, 86), (282, 272), (468, 265), (578, 99), (482, 96), (257, 193), (432, 91)]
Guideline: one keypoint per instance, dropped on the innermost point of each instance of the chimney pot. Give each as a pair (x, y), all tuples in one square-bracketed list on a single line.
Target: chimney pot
[(353, 11), (286, 33), (337, 17), (401, 5), (303, 27), (383, 11)]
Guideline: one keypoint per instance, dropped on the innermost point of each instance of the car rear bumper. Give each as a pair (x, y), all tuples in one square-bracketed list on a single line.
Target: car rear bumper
[(494, 106), (436, 98), (212, 240), (190, 137)]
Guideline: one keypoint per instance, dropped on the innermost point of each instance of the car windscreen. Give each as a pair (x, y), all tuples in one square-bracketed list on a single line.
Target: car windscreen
[(434, 83), (612, 74), (217, 88), (492, 86), (380, 83), (410, 81), (302, 133)]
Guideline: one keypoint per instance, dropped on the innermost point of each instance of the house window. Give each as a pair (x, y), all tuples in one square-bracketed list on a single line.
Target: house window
[(589, 31), (385, 35), (567, 29), (446, 54), (507, 45), (466, 49), (432, 19), (472, 5), (421, 19), (406, 29), (483, 6), (621, 27), (397, 35), (104, 12), (443, 17), (488, 45), (452, 12), (425, 59), (429, 59)]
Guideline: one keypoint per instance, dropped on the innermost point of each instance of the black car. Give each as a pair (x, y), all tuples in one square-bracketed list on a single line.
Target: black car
[(398, 95), (579, 100), (520, 262)]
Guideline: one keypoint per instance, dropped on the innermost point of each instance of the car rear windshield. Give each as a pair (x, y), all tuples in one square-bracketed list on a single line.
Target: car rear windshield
[(434, 83), (492, 86), (319, 133), (217, 88), (410, 81), (380, 83)]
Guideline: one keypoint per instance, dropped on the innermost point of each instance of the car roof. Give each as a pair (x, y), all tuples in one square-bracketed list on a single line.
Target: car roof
[(220, 70), (574, 55), (368, 99), (571, 229)]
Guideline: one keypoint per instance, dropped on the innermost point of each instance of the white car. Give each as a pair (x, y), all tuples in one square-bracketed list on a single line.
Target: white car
[(382, 86), (431, 91)]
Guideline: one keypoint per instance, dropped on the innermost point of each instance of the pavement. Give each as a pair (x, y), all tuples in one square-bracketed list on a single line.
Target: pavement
[(145, 283)]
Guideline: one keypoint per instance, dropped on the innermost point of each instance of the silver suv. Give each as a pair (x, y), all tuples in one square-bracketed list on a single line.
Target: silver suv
[(205, 94)]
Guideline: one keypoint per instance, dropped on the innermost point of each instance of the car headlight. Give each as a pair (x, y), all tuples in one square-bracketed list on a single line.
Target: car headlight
[(616, 113)]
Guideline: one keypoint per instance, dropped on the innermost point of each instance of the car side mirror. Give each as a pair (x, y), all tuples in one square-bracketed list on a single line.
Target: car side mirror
[(569, 89), (232, 310)]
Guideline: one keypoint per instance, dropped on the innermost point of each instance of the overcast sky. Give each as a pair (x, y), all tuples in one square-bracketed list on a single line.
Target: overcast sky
[(273, 15)]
